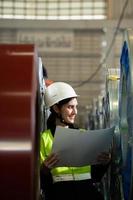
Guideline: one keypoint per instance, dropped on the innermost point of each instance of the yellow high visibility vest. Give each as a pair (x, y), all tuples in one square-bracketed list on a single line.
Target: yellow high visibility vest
[(66, 173)]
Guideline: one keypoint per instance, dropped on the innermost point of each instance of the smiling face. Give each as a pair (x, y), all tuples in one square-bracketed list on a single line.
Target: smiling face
[(68, 111)]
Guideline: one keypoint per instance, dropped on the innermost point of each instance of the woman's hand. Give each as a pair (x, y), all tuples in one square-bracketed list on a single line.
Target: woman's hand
[(51, 161), (104, 158)]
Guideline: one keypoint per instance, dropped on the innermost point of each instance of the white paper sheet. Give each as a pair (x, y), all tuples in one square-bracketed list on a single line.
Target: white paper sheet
[(80, 147)]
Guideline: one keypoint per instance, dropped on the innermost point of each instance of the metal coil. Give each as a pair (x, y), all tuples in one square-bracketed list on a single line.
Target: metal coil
[(19, 137), (112, 88), (112, 96), (126, 115), (113, 77), (129, 76)]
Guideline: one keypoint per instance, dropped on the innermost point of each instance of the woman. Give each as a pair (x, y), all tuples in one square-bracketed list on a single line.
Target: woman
[(73, 182)]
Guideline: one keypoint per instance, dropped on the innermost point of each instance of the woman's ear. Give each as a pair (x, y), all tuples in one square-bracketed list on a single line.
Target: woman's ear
[(56, 109)]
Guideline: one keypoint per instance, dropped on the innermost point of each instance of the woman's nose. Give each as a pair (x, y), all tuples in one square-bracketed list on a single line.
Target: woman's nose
[(75, 111)]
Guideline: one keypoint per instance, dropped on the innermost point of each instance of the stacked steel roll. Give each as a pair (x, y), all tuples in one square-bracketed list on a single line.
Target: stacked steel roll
[(112, 89), (19, 136), (126, 114), (100, 112)]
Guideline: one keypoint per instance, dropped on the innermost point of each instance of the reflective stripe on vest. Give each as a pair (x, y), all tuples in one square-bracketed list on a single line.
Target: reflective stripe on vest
[(69, 177), (61, 173)]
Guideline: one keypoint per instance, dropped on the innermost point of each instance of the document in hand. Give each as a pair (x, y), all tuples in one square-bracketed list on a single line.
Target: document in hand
[(81, 147)]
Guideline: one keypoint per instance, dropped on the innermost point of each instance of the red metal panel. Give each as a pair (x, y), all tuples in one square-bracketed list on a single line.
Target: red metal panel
[(18, 89)]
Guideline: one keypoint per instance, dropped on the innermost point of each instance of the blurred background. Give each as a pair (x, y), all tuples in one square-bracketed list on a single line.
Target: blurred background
[(78, 40)]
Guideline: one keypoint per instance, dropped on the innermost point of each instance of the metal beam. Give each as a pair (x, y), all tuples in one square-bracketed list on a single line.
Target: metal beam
[(63, 24)]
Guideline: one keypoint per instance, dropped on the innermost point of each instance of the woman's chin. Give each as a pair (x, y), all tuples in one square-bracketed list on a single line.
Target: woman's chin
[(71, 122)]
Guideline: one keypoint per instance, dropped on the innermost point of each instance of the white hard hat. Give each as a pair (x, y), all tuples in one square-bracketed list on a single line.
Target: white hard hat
[(58, 91)]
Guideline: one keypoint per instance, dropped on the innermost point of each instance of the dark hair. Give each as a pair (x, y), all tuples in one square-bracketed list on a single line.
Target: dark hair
[(51, 122), (45, 74)]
